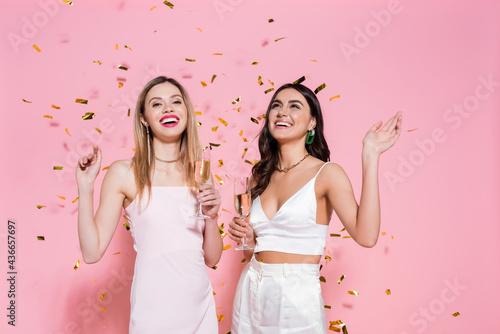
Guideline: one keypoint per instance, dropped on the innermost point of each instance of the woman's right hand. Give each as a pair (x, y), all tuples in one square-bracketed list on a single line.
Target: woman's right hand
[(238, 229), (88, 167)]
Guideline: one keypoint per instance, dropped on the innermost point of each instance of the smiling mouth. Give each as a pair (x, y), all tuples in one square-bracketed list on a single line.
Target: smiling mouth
[(282, 125), (169, 121)]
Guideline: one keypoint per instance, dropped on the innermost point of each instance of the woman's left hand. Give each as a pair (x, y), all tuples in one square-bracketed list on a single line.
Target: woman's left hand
[(380, 138), (209, 199)]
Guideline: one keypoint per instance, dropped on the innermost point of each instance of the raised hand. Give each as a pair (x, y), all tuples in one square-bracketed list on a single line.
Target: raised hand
[(209, 199), (238, 229), (88, 167), (380, 138)]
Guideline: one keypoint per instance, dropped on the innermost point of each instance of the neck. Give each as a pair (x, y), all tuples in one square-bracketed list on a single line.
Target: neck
[(166, 151), (290, 153)]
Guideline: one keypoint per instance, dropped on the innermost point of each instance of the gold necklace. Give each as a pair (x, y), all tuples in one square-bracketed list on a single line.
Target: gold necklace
[(286, 169), (168, 161)]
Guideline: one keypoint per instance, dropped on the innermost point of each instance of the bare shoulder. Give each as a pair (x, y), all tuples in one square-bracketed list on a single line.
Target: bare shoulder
[(121, 173), (332, 175), (120, 169)]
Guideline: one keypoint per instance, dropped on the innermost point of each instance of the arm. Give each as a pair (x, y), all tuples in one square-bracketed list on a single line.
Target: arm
[(212, 242), (95, 232), (363, 222)]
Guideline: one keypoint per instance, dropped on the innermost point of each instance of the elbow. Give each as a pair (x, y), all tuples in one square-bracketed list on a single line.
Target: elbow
[(88, 259), (370, 243)]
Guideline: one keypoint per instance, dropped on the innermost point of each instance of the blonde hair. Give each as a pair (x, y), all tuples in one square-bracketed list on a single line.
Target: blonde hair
[(189, 141)]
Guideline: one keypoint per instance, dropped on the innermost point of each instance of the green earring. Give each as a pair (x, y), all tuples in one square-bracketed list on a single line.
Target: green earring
[(310, 137)]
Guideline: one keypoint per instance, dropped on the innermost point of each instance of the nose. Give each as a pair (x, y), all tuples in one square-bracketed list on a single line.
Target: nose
[(281, 112), (168, 108)]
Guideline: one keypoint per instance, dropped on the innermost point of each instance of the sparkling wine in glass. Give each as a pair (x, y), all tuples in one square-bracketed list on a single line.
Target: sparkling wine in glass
[(242, 203), (202, 171)]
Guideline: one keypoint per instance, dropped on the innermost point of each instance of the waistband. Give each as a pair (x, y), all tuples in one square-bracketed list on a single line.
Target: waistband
[(284, 269)]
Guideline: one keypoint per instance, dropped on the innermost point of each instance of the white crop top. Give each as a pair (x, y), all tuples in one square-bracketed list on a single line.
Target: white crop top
[(293, 229)]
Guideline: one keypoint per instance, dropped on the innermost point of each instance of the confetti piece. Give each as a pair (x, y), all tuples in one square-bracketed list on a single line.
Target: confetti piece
[(384, 233), (37, 48), (219, 179), (88, 115), (322, 279), (216, 54), (77, 264), (121, 67), (222, 121), (191, 60), (268, 90), (254, 120), (61, 197), (213, 78), (342, 230), (255, 63), (259, 80), (236, 100), (128, 113), (221, 317), (244, 260), (346, 236), (100, 132), (102, 308), (40, 237), (198, 113), (120, 84), (48, 116), (412, 130), (214, 145), (226, 210), (68, 2), (341, 279), (57, 167), (56, 107), (335, 97), (270, 20), (169, 4), (127, 226), (226, 247), (456, 314), (314, 60), (328, 307), (116, 46), (27, 101), (76, 199), (388, 291), (67, 131), (244, 152), (128, 47), (354, 293), (152, 8), (327, 257), (320, 88), (107, 167), (249, 162), (40, 206), (199, 30), (279, 39), (334, 235), (338, 323), (203, 83), (221, 163), (272, 83), (116, 252), (299, 80), (198, 123), (214, 129), (82, 101), (102, 296)]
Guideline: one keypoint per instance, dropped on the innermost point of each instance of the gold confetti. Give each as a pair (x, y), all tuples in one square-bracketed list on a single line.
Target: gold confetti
[(121, 67), (68, 2), (335, 97), (128, 47), (314, 60), (88, 115), (77, 264), (226, 247), (100, 132), (27, 101), (76, 199), (57, 167), (216, 54), (412, 130), (388, 291), (254, 120), (40, 237), (67, 131), (82, 101), (272, 83), (221, 317), (221, 163), (299, 80), (244, 152), (48, 116), (213, 78), (237, 109), (268, 90), (116, 46), (37, 48), (120, 84), (255, 63), (384, 233), (244, 260), (334, 235), (214, 129), (241, 133), (219, 179), (338, 323), (128, 113), (116, 252), (236, 100), (214, 145), (342, 230), (327, 257), (61, 197), (198, 113), (169, 4), (322, 279), (102, 308), (328, 307), (270, 20), (248, 162), (320, 88), (198, 123), (341, 279), (222, 121), (346, 236), (354, 293), (152, 8), (199, 29), (40, 206), (127, 226), (191, 60), (226, 210), (259, 80), (456, 314), (203, 83), (56, 107), (102, 296), (279, 39), (107, 167)]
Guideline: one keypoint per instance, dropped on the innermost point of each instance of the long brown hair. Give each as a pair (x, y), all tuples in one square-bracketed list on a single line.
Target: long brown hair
[(268, 146), (189, 140)]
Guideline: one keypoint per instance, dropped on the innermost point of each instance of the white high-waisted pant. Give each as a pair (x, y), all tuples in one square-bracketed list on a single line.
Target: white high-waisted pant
[(278, 298)]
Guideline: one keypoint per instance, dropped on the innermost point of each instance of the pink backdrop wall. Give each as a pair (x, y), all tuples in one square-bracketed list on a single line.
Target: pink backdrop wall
[(435, 61)]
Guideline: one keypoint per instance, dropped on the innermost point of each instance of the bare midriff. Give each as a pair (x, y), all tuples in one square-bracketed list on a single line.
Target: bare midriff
[(279, 257)]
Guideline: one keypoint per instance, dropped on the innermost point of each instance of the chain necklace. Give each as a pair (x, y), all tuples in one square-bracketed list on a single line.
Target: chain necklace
[(167, 161), (286, 169)]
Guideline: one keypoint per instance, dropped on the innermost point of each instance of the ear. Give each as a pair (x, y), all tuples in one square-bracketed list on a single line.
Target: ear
[(143, 121), (312, 124)]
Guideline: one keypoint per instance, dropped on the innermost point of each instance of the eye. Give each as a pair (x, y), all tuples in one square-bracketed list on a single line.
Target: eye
[(177, 102), (295, 106), (275, 105), (156, 104)]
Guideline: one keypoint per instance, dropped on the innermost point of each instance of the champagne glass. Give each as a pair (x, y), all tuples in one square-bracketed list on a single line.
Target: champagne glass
[(202, 172), (242, 203)]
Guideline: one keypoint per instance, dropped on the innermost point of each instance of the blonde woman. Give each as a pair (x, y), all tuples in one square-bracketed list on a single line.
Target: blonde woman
[(171, 292)]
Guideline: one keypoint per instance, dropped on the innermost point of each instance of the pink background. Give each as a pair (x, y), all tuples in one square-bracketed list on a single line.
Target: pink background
[(439, 185)]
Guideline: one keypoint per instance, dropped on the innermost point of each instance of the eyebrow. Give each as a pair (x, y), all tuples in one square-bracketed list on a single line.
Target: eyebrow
[(159, 98)]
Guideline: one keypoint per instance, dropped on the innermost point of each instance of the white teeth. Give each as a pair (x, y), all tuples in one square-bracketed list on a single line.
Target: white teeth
[(169, 120), (282, 124)]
